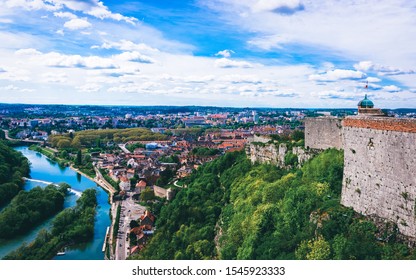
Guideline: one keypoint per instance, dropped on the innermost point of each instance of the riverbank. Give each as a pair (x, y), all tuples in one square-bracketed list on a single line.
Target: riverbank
[(44, 169), (101, 182), (110, 190), (50, 153)]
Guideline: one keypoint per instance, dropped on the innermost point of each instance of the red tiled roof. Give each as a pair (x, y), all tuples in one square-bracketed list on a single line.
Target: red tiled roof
[(141, 184)]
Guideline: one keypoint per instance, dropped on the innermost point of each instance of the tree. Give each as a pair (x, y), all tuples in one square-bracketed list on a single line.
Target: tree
[(63, 143), (316, 249), (78, 160), (98, 143), (147, 194)]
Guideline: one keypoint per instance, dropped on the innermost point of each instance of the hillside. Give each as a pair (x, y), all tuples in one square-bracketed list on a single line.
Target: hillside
[(13, 166), (235, 210)]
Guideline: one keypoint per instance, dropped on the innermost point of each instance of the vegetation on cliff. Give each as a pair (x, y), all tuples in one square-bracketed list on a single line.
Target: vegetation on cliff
[(71, 226), (235, 210), (13, 166)]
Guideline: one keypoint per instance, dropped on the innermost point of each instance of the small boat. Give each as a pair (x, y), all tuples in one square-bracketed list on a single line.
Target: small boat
[(61, 253)]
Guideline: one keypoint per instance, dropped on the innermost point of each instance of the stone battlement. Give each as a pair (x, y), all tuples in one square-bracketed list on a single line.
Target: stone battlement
[(381, 123)]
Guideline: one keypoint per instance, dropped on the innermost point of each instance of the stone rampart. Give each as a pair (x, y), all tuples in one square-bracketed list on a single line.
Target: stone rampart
[(380, 169), (323, 133)]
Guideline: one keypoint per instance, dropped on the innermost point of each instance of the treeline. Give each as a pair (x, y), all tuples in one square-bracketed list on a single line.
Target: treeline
[(98, 138), (204, 152), (29, 208), (13, 166), (134, 146), (235, 210), (71, 226)]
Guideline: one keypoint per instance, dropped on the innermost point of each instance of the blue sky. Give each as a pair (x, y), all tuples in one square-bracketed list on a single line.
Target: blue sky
[(266, 53)]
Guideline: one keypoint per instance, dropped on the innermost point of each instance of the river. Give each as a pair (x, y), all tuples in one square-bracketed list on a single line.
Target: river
[(44, 171)]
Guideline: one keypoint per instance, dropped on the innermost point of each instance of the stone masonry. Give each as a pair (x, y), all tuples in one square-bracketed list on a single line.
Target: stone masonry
[(323, 133), (380, 169)]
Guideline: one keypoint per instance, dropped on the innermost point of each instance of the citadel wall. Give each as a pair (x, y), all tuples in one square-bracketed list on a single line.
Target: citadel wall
[(323, 133), (380, 169)]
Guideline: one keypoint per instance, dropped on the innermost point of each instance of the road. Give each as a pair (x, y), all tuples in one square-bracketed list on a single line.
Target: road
[(6, 134), (129, 211), (99, 179), (179, 186), (124, 149)]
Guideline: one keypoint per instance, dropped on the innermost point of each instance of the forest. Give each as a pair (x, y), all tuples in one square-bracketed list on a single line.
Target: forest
[(29, 208), (13, 166), (235, 210), (96, 138), (71, 226)]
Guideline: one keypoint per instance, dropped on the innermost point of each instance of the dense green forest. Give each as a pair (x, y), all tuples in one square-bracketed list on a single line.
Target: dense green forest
[(71, 226), (29, 208), (96, 138), (235, 210), (13, 166)]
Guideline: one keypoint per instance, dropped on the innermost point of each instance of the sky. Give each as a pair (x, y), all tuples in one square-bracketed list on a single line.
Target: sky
[(238, 53)]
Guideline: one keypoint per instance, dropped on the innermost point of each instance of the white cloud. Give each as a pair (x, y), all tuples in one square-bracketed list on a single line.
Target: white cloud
[(77, 23), (126, 45), (336, 94), (93, 8), (31, 5), (66, 15), (10, 87), (381, 69), (89, 88), (328, 28), (29, 52), (15, 88), (55, 59), (225, 53), (277, 6), (373, 80), (337, 74), (134, 56), (199, 79), (228, 63), (53, 77), (102, 12), (392, 88), (6, 20), (14, 74), (268, 42), (236, 79)]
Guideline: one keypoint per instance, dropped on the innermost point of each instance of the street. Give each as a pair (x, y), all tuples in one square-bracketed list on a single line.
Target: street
[(129, 211)]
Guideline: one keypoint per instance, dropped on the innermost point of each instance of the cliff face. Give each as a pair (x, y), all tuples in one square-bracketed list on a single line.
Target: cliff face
[(276, 155)]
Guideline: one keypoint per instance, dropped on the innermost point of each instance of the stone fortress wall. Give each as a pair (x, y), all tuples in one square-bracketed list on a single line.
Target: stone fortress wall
[(323, 133), (380, 169), (379, 164)]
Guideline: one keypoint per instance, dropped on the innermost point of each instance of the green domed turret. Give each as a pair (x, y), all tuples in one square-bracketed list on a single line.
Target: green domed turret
[(366, 103)]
